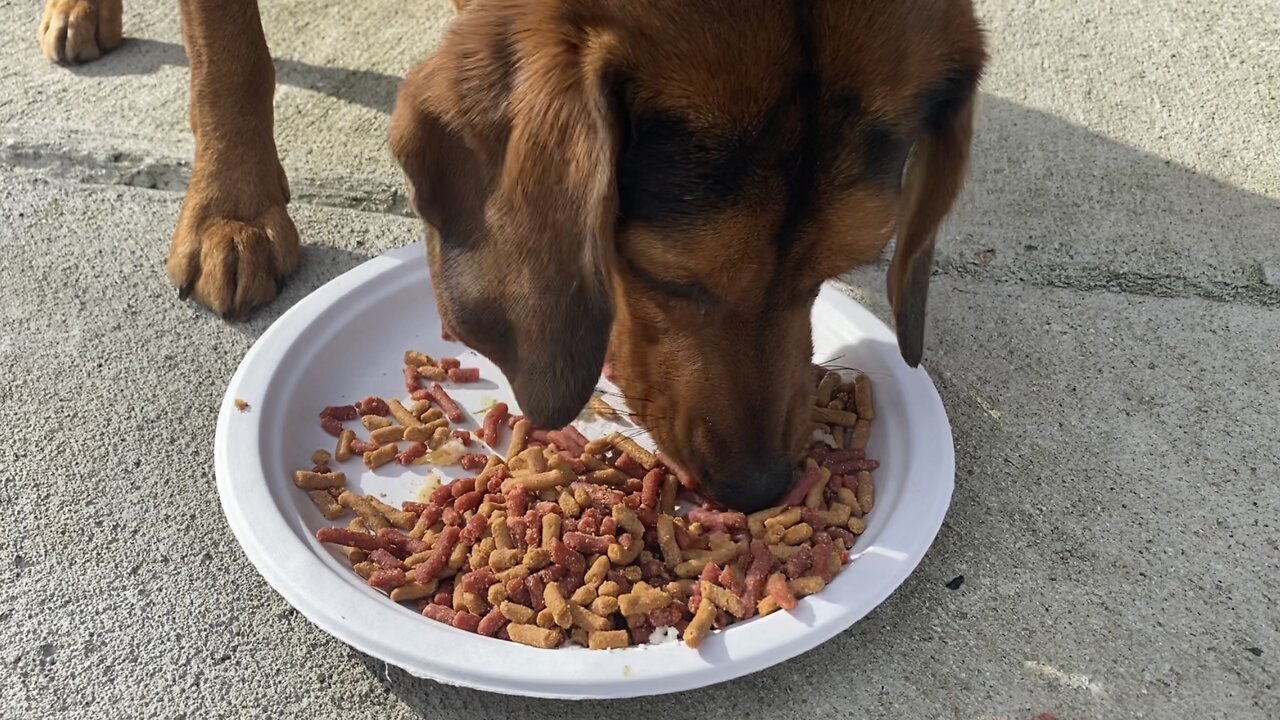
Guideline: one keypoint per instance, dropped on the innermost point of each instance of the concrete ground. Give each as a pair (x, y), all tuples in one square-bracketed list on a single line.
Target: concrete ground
[(1105, 331)]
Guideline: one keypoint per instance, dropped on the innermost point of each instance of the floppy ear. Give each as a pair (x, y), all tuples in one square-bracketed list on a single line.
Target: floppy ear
[(934, 175), (508, 137)]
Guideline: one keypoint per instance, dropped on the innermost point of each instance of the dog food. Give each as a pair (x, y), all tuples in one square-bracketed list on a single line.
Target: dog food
[(571, 540)]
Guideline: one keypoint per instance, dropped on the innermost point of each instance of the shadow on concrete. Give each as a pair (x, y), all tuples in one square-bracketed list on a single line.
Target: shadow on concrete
[(141, 56)]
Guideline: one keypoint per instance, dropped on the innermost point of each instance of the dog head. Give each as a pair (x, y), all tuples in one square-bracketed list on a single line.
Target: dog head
[(673, 182)]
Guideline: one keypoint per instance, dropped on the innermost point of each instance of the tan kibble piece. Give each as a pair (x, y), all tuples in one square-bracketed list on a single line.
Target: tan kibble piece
[(646, 459), (419, 407), (356, 555), (458, 557), (439, 436), (474, 604), (632, 573), (417, 359), (643, 599), (681, 590), (536, 558), (413, 591), (558, 605), (373, 519), (608, 639), (837, 439), (540, 481), (377, 458), (374, 422), (607, 476), (609, 588), (433, 373), (862, 397), (766, 605), (458, 603), (519, 438), (807, 585), (399, 518), (364, 569), (532, 635), (700, 625), (431, 415), (325, 503), (845, 496), (579, 636), (782, 552), (857, 525), (519, 571), (418, 433), (826, 387), (402, 415), (480, 553), (583, 595), (601, 408), (592, 462), (797, 534), (667, 499), (516, 612), (813, 498), (723, 599), (342, 452), (597, 572), (866, 492), (501, 533), (320, 457), (570, 506), (584, 618), (308, 480), (786, 518), (504, 559), (497, 594), (550, 529), (605, 605), (545, 618), (596, 447), (389, 434), (843, 418), (671, 554), (861, 434)]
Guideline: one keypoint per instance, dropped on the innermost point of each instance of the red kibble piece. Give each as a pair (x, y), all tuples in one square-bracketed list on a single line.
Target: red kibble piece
[(411, 379), (387, 579), (445, 402), (373, 405), (473, 462), (464, 375), (439, 613), (463, 435), (363, 446), (331, 426), (411, 453), (449, 363), (341, 413)]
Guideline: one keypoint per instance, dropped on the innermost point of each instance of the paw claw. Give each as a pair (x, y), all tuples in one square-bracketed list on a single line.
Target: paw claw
[(184, 291)]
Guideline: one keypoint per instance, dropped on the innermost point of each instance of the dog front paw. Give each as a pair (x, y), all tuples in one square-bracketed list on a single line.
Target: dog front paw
[(229, 260), (75, 31)]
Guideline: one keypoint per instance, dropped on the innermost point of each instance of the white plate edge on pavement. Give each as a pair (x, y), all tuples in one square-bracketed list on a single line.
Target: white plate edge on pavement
[(911, 436)]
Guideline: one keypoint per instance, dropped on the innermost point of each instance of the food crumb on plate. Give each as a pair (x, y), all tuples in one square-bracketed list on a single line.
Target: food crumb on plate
[(241, 405), (429, 485), (664, 635)]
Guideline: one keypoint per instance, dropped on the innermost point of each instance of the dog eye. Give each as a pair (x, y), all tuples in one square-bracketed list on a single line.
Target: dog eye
[(690, 291)]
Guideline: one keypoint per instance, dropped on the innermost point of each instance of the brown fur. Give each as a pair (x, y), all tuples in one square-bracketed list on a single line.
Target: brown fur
[(667, 180), (547, 242)]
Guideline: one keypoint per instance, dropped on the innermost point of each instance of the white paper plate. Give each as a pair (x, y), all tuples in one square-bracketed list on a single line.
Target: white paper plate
[(344, 341)]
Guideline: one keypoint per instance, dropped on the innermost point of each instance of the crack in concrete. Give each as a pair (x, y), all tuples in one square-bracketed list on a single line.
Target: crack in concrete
[(59, 162)]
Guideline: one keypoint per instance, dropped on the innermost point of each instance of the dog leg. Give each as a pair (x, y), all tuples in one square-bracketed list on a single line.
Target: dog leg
[(73, 31), (234, 243)]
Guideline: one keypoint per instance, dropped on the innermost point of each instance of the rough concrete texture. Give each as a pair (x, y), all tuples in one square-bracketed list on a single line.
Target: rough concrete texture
[(1104, 334)]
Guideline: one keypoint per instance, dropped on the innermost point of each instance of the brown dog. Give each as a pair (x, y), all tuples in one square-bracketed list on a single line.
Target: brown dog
[(668, 180)]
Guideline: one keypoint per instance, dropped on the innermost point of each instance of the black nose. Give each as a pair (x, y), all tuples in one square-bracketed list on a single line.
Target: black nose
[(753, 486)]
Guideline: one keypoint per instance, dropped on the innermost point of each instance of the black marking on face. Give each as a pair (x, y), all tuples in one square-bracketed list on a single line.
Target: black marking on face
[(671, 174), (803, 173)]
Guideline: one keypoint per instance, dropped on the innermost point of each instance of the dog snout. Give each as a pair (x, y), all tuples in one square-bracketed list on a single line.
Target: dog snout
[(750, 485)]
